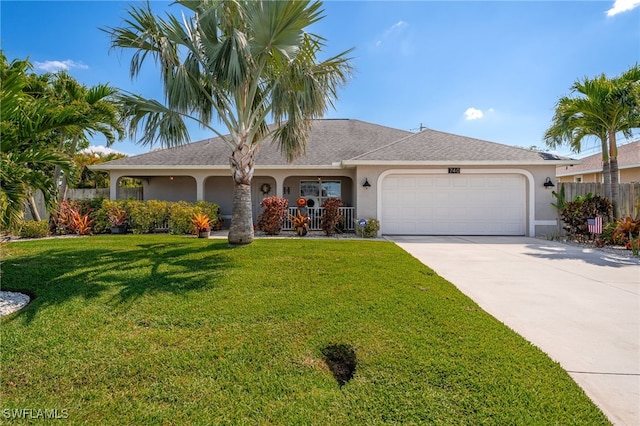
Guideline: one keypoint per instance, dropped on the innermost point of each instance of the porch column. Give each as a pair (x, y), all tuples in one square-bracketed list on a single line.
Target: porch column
[(280, 186), (113, 185), (199, 187)]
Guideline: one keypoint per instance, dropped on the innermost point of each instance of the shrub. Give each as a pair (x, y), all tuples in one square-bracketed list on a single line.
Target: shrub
[(141, 220), (117, 216), (159, 212), (89, 206), (201, 222), (626, 229), (300, 222), (370, 228), (607, 234), (575, 213), (272, 218), (101, 215), (81, 223), (67, 218), (61, 217), (210, 209), (331, 215), (180, 219), (146, 216), (34, 229)]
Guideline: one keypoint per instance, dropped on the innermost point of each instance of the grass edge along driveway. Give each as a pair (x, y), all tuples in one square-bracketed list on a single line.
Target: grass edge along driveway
[(176, 330)]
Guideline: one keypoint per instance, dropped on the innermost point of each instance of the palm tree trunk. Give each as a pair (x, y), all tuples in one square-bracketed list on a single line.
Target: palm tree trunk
[(242, 163), (606, 179), (62, 191), (615, 187), (613, 160), (33, 207)]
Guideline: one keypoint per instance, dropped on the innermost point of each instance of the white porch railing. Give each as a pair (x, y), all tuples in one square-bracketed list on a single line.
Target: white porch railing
[(315, 214)]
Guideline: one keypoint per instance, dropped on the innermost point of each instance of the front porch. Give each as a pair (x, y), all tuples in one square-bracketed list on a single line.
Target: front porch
[(315, 215)]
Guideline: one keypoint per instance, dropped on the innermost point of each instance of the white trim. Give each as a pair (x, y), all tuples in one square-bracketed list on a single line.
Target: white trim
[(545, 222), (527, 174), (133, 168), (456, 163)]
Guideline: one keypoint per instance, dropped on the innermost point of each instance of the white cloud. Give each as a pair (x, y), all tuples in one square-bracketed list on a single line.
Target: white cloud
[(54, 66), (392, 29), (473, 114), (100, 149), (620, 6)]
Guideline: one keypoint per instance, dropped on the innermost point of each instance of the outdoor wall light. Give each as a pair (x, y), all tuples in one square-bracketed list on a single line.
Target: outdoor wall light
[(366, 184), (548, 184)]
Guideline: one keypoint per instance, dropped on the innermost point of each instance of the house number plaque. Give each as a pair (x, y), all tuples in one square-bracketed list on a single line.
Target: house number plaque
[(454, 170)]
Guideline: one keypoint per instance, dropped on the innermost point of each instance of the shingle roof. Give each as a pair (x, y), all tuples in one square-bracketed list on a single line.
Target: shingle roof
[(435, 146), (330, 141), (335, 141), (628, 156)]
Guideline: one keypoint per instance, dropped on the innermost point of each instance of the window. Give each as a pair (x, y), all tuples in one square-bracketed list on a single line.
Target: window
[(320, 190), (577, 179)]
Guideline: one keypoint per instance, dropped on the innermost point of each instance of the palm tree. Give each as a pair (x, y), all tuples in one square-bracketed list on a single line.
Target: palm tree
[(87, 178), (26, 122), (604, 108), (97, 111), (243, 61), (44, 117)]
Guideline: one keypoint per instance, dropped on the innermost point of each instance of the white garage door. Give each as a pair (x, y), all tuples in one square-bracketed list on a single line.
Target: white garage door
[(454, 204)]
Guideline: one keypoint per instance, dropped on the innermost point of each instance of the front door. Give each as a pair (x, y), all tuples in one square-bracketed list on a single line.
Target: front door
[(261, 188)]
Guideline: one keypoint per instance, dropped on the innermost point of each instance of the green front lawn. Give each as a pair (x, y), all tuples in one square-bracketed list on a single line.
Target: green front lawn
[(161, 329)]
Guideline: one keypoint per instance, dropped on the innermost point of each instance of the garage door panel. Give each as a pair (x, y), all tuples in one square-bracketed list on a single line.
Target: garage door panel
[(473, 204)]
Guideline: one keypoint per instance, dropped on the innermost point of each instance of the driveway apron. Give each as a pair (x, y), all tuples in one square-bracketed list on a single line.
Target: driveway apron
[(578, 305)]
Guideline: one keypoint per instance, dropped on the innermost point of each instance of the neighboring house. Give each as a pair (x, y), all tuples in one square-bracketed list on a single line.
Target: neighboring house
[(427, 183), (590, 169)]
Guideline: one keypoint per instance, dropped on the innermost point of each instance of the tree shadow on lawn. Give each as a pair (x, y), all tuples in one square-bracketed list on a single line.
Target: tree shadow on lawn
[(58, 275)]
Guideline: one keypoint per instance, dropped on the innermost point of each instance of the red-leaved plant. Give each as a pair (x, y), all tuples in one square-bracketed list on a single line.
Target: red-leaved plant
[(69, 220), (331, 215), (201, 222), (81, 223), (272, 218)]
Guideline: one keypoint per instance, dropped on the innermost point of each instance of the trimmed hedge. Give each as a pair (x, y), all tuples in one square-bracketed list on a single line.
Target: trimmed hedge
[(34, 229), (148, 216)]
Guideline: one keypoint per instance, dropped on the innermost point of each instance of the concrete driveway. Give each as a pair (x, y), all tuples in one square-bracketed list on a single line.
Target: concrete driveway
[(580, 306)]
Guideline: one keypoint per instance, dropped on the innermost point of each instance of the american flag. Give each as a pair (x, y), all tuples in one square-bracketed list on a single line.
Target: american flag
[(595, 225)]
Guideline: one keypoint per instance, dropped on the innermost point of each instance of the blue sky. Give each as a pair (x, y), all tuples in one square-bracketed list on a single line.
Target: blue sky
[(489, 70)]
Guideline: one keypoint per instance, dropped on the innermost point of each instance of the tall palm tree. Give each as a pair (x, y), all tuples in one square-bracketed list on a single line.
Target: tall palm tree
[(243, 61), (43, 119), (603, 108), (97, 109), (26, 121)]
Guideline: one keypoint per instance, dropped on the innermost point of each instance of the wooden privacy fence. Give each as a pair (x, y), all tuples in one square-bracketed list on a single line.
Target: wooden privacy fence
[(89, 193), (629, 195), (83, 194)]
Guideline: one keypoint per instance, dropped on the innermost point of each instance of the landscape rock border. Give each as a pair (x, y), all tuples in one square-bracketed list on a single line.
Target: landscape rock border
[(12, 301)]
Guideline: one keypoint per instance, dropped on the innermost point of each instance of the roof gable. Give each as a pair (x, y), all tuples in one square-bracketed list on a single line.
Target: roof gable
[(628, 156), (435, 146)]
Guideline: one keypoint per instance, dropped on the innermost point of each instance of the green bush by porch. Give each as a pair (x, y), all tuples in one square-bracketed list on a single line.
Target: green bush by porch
[(147, 216)]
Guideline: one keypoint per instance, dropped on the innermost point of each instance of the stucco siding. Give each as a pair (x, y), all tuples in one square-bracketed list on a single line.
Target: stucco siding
[(170, 188)]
